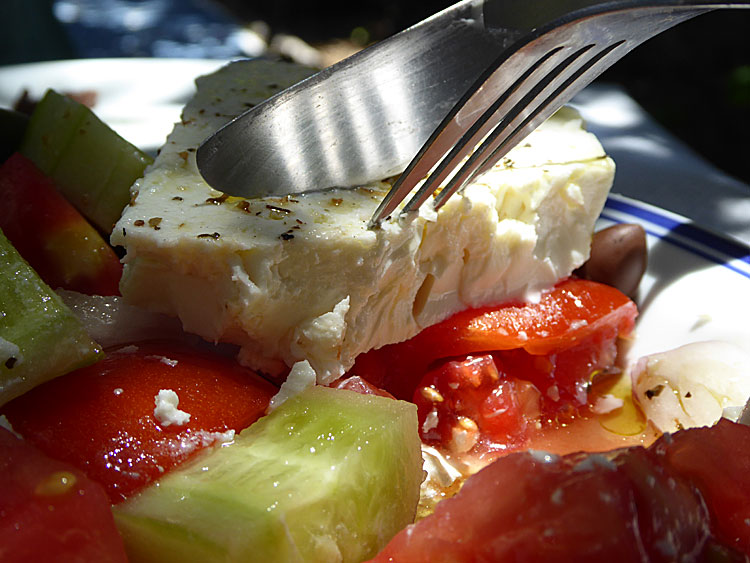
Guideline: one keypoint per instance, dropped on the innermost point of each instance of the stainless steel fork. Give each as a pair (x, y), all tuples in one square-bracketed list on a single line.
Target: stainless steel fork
[(466, 84), (526, 85)]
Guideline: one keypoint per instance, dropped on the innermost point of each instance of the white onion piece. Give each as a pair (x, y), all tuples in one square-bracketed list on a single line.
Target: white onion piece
[(694, 385), (111, 322)]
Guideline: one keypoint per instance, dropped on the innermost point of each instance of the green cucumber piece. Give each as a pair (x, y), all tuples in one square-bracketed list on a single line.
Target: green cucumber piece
[(330, 475), (40, 337), (93, 166)]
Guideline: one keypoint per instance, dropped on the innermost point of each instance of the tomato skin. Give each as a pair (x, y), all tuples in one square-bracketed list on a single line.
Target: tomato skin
[(560, 340), (716, 460), (51, 235), (101, 418), (580, 507), (685, 498), (50, 511)]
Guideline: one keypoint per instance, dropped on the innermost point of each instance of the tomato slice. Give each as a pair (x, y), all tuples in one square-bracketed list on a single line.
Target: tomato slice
[(717, 461), (535, 507), (102, 418), (50, 511), (557, 343), (685, 498)]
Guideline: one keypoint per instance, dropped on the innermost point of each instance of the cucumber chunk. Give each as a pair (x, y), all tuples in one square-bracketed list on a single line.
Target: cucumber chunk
[(40, 338), (93, 166), (331, 475)]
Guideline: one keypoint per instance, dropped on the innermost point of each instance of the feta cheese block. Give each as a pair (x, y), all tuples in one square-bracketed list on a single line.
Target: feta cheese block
[(302, 277)]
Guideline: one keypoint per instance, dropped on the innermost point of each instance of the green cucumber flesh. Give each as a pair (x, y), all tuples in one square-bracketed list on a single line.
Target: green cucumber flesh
[(93, 166), (40, 337), (331, 475)]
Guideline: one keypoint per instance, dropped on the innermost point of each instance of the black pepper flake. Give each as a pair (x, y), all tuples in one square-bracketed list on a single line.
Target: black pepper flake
[(286, 236), (280, 209), (123, 232), (300, 221), (154, 223), (176, 198), (192, 149), (139, 222), (217, 200), (688, 395), (213, 235), (10, 362), (655, 392)]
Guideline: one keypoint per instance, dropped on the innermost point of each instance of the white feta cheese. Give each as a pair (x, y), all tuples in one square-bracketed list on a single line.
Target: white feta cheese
[(303, 278), (166, 411), (300, 377), (694, 385)]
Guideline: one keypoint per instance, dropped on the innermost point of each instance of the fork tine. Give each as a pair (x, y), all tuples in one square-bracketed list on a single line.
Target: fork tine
[(498, 143), (527, 87), (432, 156), (483, 125)]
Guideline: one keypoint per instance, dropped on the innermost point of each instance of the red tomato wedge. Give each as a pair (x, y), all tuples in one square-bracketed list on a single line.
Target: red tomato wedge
[(570, 333), (717, 461), (50, 511), (101, 418), (51, 235), (631, 505)]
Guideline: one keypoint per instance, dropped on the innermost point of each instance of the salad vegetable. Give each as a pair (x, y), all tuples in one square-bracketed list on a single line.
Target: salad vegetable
[(670, 502), (58, 242), (51, 511), (40, 338), (101, 418), (93, 166), (329, 475)]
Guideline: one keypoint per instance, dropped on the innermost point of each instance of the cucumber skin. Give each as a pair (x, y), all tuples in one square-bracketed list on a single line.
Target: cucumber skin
[(51, 339), (347, 469), (93, 166)]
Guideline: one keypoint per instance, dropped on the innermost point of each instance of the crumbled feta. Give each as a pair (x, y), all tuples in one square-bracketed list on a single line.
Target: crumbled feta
[(301, 376), (164, 360), (166, 411)]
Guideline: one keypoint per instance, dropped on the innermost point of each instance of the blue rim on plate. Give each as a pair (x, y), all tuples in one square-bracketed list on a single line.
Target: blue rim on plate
[(680, 232)]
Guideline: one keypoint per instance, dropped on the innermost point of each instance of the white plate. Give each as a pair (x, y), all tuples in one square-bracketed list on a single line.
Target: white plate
[(697, 285), (141, 99)]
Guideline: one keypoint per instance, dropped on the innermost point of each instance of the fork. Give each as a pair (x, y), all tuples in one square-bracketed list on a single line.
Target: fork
[(524, 86)]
